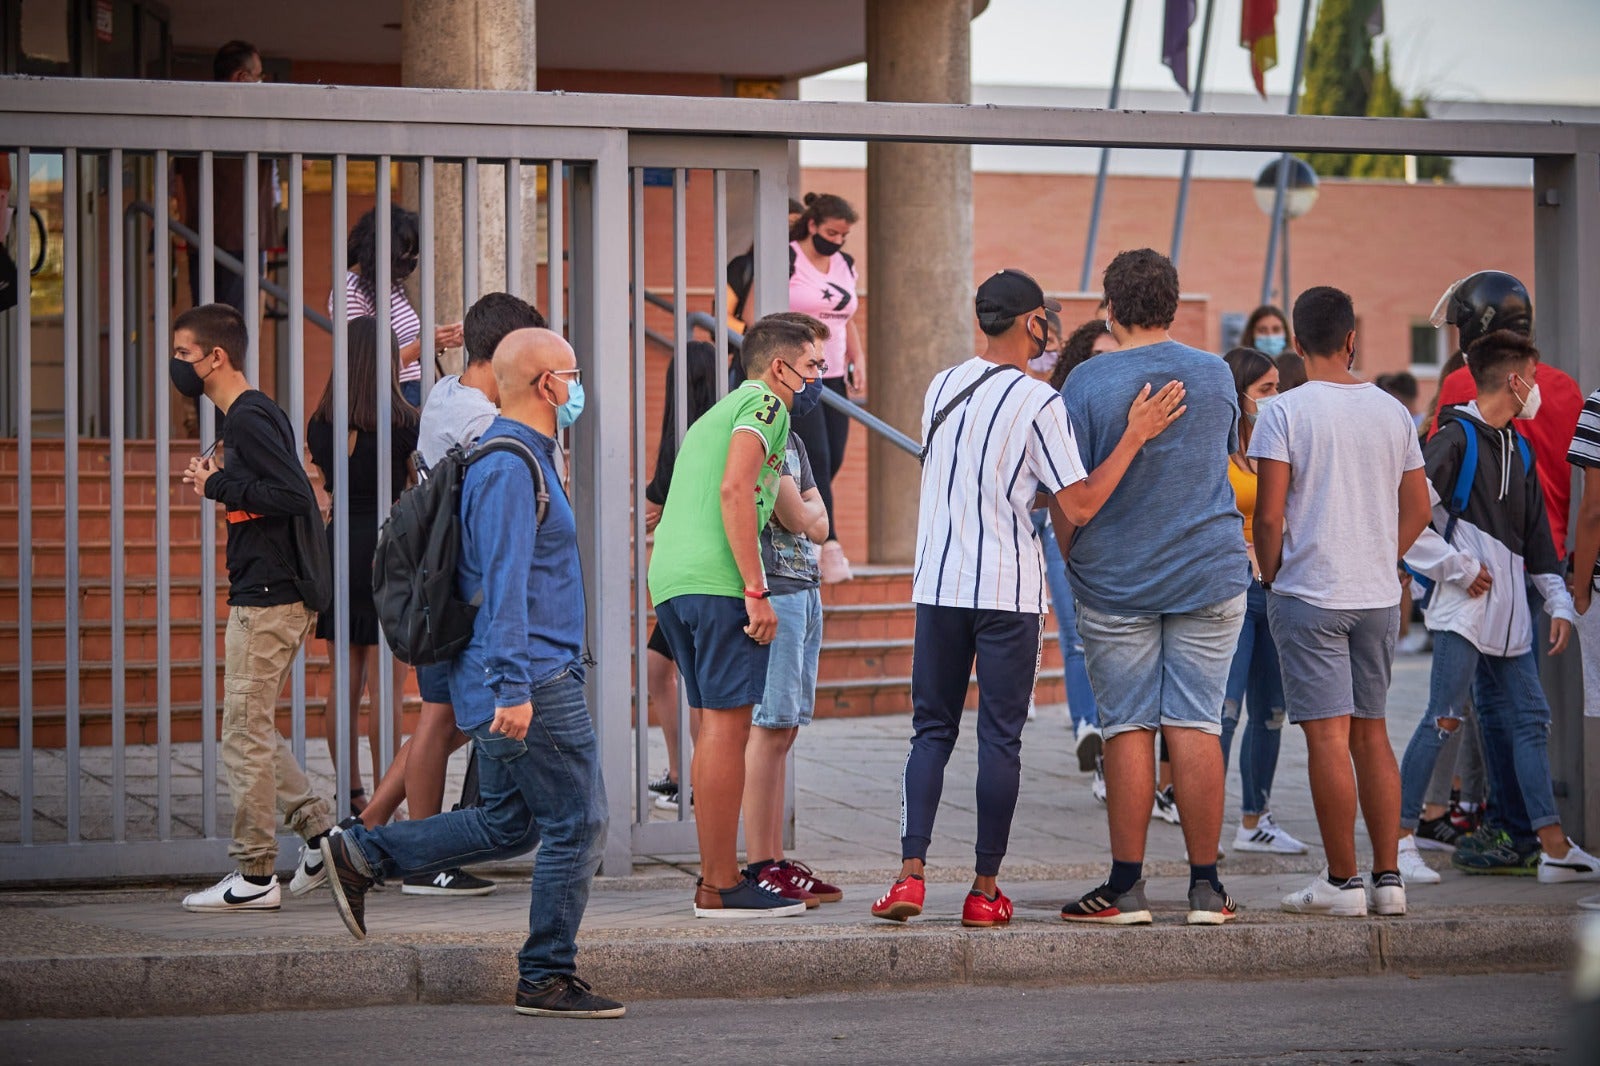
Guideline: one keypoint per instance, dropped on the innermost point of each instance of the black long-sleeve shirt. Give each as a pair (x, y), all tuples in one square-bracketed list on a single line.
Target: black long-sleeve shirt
[(263, 486)]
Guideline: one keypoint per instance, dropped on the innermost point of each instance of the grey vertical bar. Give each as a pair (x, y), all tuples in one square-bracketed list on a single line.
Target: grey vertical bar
[(387, 696), (128, 340), (426, 262), (23, 323), (297, 405), (71, 264), (1280, 194), (680, 399), (1105, 156), (252, 264), (719, 264), (208, 527), (641, 707), (772, 231), (469, 233), (514, 227), (1188, 153), (340, 701), (161, 296), (555, 234), (117, 265)]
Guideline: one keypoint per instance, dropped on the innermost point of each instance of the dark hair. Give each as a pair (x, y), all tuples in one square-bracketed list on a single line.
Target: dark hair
[(1077, 348), (361, 374), (217, 326), (1402, 385), (231, 58), (1323, 317), (1493, 350), (491, 318), (702, 359), (1249, 366), (820, 207), (795, 206), (362, 249), (818, 328), (1291, 371), (772, 338), (1142, 288), (1248, 336)]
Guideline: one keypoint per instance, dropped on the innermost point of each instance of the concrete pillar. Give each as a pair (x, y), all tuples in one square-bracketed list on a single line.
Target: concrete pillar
[(473, 44), (919, 242)]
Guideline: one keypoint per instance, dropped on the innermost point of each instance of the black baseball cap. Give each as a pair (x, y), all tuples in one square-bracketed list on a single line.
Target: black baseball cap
[(1010, 294)]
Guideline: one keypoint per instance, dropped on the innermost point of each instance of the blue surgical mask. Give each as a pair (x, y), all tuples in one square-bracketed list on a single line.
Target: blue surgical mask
[(1262, 403), (568, 412), (1271, 344)]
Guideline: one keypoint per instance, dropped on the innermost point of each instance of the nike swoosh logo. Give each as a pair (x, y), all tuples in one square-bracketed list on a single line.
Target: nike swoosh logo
[(229, 898)]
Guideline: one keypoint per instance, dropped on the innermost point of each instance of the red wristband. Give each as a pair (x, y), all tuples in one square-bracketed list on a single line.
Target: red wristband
[(757, 594)]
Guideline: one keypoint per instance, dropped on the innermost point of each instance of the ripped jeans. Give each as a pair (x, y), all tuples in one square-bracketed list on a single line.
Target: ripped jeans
[(1515, 720), (1255, 681)]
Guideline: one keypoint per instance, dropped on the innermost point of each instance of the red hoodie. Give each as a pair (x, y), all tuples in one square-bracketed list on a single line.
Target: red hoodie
[(1550, 434)]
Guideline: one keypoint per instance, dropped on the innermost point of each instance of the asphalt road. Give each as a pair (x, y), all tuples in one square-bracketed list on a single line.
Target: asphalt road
[(1390, 1020)]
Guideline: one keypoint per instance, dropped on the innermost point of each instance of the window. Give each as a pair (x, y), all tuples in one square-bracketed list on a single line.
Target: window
[(1427, 345)]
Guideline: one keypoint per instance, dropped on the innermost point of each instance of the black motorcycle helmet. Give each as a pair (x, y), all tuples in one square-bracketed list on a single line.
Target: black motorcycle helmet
[(1481, 303)]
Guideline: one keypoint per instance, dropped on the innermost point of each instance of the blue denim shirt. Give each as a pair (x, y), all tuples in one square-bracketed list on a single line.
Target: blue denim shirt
[(530, 623)]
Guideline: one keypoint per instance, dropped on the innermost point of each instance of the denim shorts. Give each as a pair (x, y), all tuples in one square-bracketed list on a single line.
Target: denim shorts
[(791, 692), (1151, 670), (433, 681), (1334, 662), (722, 668)]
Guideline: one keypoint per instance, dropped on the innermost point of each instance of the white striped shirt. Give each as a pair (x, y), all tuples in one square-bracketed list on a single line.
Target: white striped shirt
[(402, 316), (975, 541)]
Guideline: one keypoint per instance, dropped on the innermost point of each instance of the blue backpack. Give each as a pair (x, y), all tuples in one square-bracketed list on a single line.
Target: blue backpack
[(1458, 504)]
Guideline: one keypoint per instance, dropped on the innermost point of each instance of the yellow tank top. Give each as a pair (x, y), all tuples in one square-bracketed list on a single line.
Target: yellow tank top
[(1244, 490)]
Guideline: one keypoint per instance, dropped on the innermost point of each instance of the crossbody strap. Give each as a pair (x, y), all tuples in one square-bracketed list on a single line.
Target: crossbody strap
[(960, 398)]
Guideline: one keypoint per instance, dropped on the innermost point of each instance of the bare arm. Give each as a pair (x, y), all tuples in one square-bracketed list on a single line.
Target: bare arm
[(855, 355), (746, 456), (1147, 419), (1586, 546), (1272, 493), (1416, 508), (1061, 528), (795, 513)]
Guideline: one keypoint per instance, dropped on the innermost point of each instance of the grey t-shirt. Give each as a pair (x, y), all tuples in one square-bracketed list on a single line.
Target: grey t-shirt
[(790, 559), (1347, 447), (1170, 539), (453, 414)]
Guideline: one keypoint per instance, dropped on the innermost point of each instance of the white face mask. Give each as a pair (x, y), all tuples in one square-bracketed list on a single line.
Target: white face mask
[(1530, 406), (1262, 403)]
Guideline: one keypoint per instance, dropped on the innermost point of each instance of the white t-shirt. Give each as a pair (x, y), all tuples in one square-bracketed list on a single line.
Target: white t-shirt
[(989, 460), (453, 414), (1347, 447)]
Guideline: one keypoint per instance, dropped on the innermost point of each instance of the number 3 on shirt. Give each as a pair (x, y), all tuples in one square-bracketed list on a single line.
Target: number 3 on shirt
[(770, 412)]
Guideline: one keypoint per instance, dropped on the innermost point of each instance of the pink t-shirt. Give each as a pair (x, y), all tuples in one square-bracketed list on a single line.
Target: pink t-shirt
[(830, 297)]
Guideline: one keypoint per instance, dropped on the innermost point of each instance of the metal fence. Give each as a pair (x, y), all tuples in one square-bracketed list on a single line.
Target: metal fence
[(116, 142)]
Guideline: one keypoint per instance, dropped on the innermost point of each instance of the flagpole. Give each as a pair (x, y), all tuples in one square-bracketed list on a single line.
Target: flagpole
[(1105, 155), (1188, 153), (1281, 194)]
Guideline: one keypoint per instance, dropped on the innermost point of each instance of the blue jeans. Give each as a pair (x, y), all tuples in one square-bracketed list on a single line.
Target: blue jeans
[(1254, 680), (1080, 697), (791, 692), (542, 791), (412, 391)]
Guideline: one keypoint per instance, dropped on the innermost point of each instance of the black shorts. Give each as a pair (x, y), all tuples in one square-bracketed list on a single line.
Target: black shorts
[(658, 643)]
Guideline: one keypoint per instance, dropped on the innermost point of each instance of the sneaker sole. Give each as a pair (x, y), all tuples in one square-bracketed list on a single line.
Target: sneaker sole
[(899, 912), (975, 923), (827, 897), (1267, 849), (788, 911), (310, 885), (229, 908), (1495, 871), (540, 1012), (1326, 912), (1089, 749), (1211, 917), (662, 803), (1124, 918), (1566, 878), (337, 888), (435, 890)]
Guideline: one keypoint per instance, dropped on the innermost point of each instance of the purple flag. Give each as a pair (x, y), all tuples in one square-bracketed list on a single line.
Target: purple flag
[(1175, 39)]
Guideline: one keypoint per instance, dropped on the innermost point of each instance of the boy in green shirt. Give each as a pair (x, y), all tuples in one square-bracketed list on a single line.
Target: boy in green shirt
[(710, 592)]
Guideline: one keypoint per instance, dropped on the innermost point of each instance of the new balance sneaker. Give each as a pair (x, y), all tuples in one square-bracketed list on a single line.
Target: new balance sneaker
[(1491, 851), (1090, 745), (805, 878), (1208, 906), (349, 879), (903, 900), (1104, 907), (1268, 836), (1323, 897), (234, 893), (1389, 894), (453, 882), (1438, 834), (1166, 807), (1097, 788), (768, 877), (981, 912), (744, 900), (1575, 865), (1412, 866), (565, 996)]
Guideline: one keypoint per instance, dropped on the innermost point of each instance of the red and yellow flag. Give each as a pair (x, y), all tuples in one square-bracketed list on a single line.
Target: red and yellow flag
[(1258, 31)]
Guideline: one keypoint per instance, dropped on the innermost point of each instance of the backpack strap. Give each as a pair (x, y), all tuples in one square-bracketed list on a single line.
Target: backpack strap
[(1527, 451), (541, 491), (1464, 476), (960, 398)]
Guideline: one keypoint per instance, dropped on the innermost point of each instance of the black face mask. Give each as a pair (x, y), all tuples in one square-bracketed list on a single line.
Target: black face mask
[(825, 246), (1043, 340), (186, 379)]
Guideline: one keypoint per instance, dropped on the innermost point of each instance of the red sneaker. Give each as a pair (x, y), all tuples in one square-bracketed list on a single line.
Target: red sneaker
[(774, 879), (981, 912), (804, 878), (902, 901)]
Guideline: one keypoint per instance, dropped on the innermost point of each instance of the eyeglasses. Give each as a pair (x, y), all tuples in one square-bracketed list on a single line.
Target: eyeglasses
[(575, 379)]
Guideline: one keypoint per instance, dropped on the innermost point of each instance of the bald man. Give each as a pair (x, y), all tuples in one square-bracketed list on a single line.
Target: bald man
[(517, 690)]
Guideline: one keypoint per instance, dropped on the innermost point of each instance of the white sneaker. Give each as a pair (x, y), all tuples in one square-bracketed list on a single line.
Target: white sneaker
[(1575, 865), (1413, 643), (1098, 788), (234, 893), (1165, 806), (1321, 897), (1268, 837), (1033, 709), (1412, 866), (834, 566), (1090, 745), (1388, 895)]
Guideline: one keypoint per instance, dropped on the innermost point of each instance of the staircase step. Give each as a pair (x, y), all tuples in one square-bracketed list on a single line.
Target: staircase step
[(141, 725)]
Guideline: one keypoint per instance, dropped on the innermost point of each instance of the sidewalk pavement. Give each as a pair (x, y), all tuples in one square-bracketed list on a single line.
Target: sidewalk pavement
[(135, 951)]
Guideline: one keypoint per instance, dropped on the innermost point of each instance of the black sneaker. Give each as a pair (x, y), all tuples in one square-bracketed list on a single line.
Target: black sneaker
[(1495, 853), (565, 996), (1105, 907), (446, 883), (744, 900), (348, 881), (1438, 834), (665, 786)]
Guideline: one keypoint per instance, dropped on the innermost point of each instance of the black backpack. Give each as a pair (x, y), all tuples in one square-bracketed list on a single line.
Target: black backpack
[(414, 566)]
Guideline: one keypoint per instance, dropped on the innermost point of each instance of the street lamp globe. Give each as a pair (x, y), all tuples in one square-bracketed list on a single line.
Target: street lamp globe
[(1300, 193)]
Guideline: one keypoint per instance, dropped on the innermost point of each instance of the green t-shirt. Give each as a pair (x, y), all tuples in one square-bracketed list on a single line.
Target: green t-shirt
[(692, 556)]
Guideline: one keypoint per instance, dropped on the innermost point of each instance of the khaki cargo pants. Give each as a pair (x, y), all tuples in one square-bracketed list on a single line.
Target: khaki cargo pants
[(264, 779)]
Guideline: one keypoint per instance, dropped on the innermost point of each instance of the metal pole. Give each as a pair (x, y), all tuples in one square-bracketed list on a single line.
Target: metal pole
[(469, 233), (680, 400), (1279, 197), (719, 259), (513, 170), (206, 412), (22, 321), (340, 701), (296, 326), (555, 234), (425, 276), (1188, 153), (71, 426), (387, 705), (641, 721), (1105, 155), (161, 296), (1284, 292), (251, 310), (119, 528)]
